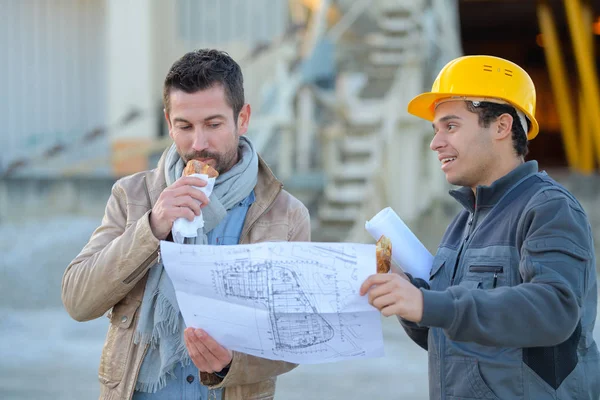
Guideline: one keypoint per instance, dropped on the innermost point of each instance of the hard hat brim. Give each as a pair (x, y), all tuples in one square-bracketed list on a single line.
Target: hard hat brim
[(423, 106)]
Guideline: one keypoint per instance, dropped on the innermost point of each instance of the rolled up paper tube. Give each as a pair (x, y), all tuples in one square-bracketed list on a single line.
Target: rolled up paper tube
[(407, 251)]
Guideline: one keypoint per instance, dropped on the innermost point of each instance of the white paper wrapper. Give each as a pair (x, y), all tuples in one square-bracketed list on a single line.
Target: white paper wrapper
[(184, 228), (407, 251)]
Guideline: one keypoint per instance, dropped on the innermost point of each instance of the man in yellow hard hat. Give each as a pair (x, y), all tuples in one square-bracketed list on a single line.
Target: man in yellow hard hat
[(510, 307)]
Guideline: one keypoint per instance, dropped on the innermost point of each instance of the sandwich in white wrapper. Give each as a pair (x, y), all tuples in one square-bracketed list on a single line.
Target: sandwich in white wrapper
[(182, 227)]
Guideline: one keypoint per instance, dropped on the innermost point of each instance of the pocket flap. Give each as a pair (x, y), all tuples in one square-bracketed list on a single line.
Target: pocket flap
[(561, 244), (122, 314)]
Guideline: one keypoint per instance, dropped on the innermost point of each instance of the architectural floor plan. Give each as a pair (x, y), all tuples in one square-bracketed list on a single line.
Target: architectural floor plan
[(297, 302)]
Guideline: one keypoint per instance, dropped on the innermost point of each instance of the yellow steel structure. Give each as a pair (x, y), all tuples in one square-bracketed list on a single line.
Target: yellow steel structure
[(586, 149), (560, 86), (586, 68), (586, 160)]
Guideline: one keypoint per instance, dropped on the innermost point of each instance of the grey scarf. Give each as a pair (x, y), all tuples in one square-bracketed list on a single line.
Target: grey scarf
[(160, 323)]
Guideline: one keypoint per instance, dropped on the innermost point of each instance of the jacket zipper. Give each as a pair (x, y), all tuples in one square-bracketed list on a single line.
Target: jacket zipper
[(487, 268), (155, 256)]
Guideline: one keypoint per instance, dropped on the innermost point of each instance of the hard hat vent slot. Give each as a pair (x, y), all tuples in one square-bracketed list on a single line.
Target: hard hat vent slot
[(487, 68), (508, 72)]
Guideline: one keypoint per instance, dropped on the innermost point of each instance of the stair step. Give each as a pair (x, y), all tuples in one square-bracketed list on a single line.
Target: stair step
[(345, 194), (338, 214), (385, 42), (397, 13), (366, 112), (388, 58), (354, 171), (380, 72), (397, 25), (359, 144), (389, 6)]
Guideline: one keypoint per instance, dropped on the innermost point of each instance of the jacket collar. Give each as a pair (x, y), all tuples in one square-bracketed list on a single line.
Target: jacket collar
[(488, 196), (266, 190)]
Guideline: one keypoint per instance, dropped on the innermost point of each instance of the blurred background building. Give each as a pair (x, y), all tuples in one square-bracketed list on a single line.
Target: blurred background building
[(328, 81)]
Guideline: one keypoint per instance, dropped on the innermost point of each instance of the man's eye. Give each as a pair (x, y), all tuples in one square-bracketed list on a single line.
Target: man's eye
[(451, 126), (185, 127), (214, 126)]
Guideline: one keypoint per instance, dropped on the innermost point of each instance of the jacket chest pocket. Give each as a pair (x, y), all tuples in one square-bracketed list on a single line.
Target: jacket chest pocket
[(117, 346), (487, 275)]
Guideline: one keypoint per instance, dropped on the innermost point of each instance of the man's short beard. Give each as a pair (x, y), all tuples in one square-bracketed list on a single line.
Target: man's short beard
[(222, 162)]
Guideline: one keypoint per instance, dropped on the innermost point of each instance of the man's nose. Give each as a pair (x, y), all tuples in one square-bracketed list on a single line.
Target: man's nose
[(437, 142), (200, 140)]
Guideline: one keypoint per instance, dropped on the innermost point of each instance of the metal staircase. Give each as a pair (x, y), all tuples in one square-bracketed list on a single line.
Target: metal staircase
[(380, 156)]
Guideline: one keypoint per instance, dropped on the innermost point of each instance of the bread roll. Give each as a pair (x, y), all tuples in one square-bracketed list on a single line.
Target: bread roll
[(383, 251), (198, 167)]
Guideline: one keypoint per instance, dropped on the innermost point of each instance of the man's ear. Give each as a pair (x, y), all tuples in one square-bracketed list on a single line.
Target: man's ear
[(168, 119), (244, 119), (503, 127)]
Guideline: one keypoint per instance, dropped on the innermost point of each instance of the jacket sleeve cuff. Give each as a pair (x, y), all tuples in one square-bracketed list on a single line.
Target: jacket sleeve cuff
[(418, 282), (212, 381), (438, 309), (217, 381)]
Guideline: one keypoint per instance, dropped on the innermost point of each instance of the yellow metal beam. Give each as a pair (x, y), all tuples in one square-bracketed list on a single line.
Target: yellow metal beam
[(586, 68), (558, 75), (586, 160), (586, 146)]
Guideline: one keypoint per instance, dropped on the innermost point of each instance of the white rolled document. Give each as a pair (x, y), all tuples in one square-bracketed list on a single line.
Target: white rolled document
[(184, 228), (407, 251)]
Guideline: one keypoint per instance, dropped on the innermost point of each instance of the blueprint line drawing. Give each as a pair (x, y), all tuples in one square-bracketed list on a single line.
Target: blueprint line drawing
[(279, 288), (297, 302)]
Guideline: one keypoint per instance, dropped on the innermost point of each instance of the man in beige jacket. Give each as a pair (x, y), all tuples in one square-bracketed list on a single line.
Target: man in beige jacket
[(148, 353)]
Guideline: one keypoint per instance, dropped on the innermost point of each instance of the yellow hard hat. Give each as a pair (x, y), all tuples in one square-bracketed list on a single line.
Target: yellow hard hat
[(486, 78)]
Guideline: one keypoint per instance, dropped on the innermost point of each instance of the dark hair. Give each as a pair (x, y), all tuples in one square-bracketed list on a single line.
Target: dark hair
[(202, 69), (489, 112)]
